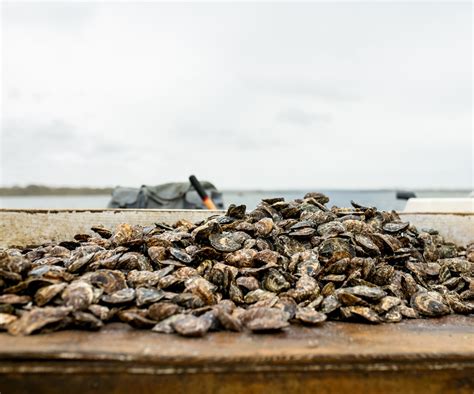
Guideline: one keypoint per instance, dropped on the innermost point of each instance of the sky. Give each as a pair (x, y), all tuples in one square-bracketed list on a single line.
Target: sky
[(246, 95)]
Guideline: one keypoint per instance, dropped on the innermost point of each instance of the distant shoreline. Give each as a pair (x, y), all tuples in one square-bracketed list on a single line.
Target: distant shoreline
[(34, 190), (38, 190)]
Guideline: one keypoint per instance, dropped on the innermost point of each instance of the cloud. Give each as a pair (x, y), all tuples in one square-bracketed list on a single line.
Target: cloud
[(289, 86), (300, 117), (53, 15), (245, 95)]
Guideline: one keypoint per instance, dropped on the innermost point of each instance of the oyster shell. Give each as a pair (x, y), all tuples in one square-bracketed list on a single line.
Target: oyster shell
[(308, 315), (265, 319), (429, 303), (37, 318)]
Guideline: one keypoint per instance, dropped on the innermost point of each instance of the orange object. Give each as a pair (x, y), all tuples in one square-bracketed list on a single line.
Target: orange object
[(209, 203), (206, 200)]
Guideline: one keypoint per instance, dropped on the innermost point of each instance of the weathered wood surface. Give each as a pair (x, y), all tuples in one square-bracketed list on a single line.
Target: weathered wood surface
[(435, 355), (22, 227)]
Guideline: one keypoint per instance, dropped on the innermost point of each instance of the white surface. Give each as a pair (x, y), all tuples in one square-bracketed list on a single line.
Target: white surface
[(465, 205)]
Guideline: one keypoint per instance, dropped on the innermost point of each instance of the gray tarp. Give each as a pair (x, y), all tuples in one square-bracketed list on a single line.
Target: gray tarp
[(165, 196)]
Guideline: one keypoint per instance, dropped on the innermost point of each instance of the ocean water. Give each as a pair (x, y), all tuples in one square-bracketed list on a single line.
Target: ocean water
[(382, 199)]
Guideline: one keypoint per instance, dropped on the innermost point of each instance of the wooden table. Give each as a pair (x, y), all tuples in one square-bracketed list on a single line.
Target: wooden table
[(416, 356)]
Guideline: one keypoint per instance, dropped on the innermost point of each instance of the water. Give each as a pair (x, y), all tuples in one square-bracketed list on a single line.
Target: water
[(382, 199)]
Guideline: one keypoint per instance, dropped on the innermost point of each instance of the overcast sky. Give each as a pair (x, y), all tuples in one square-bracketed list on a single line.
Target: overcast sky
[(271, 96)]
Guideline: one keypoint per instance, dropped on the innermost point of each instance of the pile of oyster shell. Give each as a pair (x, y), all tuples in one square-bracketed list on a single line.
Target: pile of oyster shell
[(283, 263)]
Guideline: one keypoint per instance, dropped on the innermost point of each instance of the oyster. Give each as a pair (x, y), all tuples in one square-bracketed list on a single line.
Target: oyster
[(191, 326), (285, 261), (47, 293), (14, 299), (224, 242), (37, 318), (429, 303), (148, 295), (274, 281), (395, 227), (136, 318), (308, 315), (78, 295), (6, 319), (264, 227), (122, 296), (163, 310), (360, 312), (265, 319), (249, 283)]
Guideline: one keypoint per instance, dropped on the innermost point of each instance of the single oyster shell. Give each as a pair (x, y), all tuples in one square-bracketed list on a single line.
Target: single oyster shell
[(100, 311), (372, 293), (36, 319), (258, 295), (241, 258), (395, 227), (148, 295), (249, 283), (108, 280), (191, 326), (86, 320), (166, 326), (180, 255), (6, 319), (202, 288), (265, 319), (136, 318), (122, 296), (14, 299), (429, 303), (360, 311), (47, 293), (330, 304), (163, 310), (78, 295), (387, 303), (308, 315), (224, 242), (102, 231), (236, 211), (274, 281), (227, 320), (264, 227)]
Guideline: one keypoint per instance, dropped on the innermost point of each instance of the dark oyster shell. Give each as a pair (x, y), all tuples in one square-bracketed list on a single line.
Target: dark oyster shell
[(308, 315), (37, 319), (429, 303), (265, 319)]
